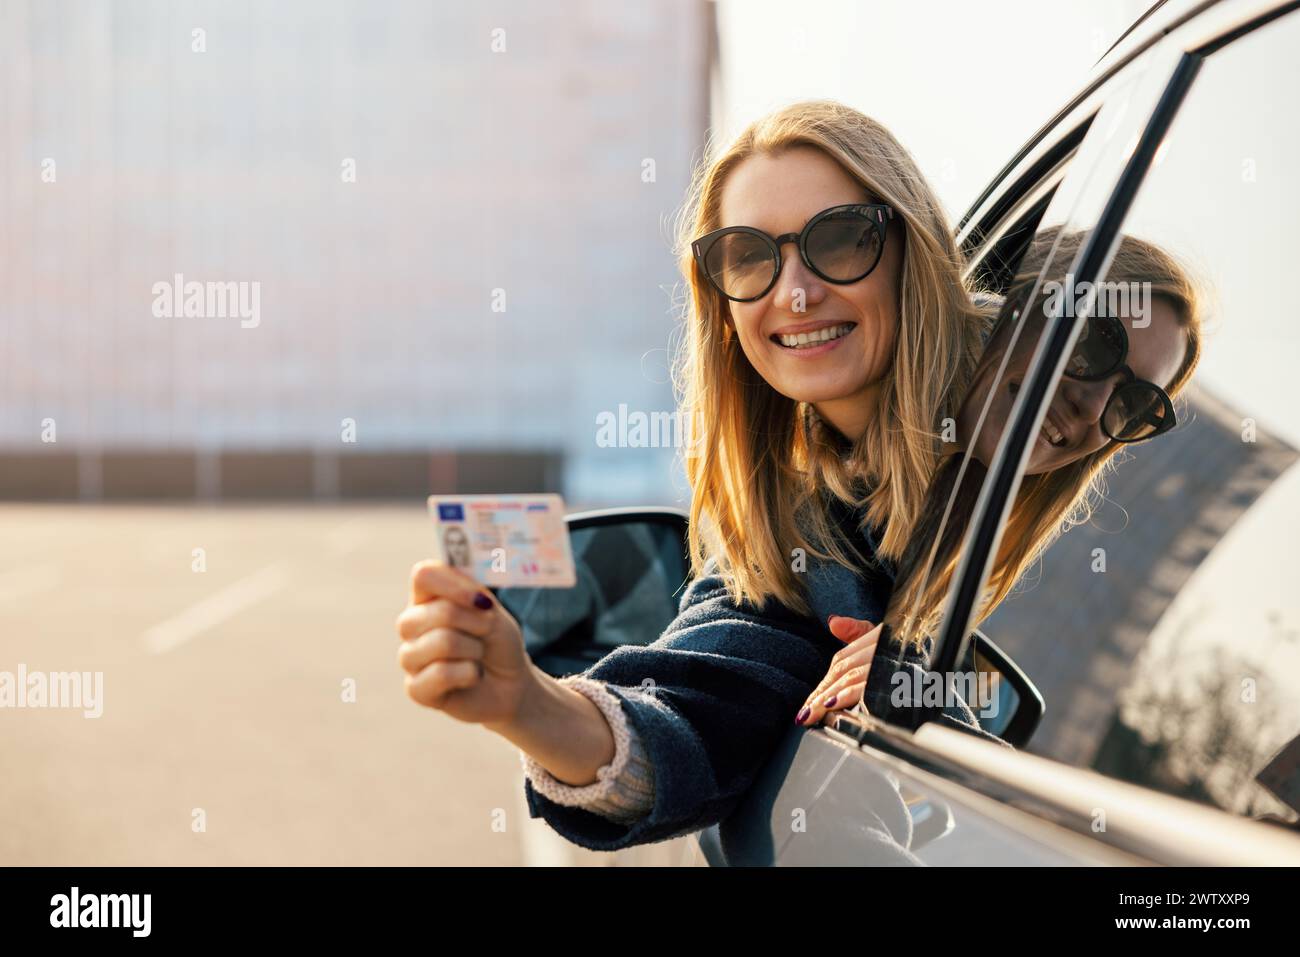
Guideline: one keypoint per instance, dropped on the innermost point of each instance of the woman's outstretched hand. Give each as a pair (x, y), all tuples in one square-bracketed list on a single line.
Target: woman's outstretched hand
[(847, 678), (463, 653)]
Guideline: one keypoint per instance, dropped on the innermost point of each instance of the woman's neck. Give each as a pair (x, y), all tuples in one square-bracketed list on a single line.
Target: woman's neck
[(850, 414)]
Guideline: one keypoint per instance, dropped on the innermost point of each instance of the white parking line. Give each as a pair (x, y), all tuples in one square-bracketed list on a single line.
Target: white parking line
[(215, 609), (24, 581)]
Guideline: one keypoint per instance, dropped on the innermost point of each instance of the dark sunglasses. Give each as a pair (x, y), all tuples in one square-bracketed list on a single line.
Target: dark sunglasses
[(841, 245), (1136, 409)]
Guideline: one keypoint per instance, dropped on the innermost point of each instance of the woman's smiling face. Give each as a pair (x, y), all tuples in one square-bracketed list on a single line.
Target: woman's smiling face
[(779, 194)]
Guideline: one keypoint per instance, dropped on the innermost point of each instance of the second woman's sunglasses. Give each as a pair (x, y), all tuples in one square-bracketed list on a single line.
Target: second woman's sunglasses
[(1136, 409), (841, 245)]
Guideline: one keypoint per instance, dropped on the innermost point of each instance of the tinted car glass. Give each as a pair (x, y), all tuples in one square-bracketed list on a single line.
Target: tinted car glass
[(1164, 627), (1042, 236)]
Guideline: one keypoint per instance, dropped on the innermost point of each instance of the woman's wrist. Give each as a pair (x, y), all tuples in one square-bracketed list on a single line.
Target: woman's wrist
[(560, 728), (531, 711)]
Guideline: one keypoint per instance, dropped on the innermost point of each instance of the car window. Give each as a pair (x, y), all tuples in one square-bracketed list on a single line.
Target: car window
[(995, 269), (631, 570), (1163, 624), (996, 241), (1042, 236)]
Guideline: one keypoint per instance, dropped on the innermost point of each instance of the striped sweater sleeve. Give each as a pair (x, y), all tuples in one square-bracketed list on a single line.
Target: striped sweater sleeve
[(624, 789)]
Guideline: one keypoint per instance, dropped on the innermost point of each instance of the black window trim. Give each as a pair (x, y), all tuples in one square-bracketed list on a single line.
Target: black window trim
[(1007, 201), (1030, 209)]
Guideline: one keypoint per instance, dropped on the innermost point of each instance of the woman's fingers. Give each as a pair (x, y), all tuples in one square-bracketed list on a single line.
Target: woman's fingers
[(861, 636), (440, 644), (456, 637), (848, 629), (438, 680), (416, 620), (849, 667), (857, 646), (846, 672), (430, 579), (866, 636), (845, 698), (844, 692)]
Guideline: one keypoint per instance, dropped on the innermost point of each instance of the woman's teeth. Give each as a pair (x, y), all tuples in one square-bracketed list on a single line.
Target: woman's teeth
[(1052, 436), (806, 340)]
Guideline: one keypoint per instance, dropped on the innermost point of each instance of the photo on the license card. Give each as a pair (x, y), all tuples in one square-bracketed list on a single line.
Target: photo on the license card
[(505, 541)]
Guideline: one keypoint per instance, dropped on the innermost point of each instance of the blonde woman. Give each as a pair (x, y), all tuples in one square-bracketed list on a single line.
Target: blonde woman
[(827, 334)]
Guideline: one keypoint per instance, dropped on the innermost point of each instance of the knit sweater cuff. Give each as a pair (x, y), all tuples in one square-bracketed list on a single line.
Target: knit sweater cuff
[(624, 789)]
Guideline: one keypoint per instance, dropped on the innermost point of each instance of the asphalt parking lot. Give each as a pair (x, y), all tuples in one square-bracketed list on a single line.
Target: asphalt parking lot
[(229, 639)]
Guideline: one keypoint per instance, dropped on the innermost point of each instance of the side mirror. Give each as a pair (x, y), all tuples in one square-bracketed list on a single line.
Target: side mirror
[(1016, 706), (632, 568)]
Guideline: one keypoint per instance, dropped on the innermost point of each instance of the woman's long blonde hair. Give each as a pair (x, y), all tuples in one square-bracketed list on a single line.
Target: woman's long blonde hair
[(758, 462)]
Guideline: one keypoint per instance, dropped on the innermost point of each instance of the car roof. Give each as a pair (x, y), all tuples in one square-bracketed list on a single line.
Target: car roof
[(1160, 18)]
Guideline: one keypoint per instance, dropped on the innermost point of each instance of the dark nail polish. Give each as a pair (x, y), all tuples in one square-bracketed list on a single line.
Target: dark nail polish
[(803, 716), (830, 702), (482, 601)]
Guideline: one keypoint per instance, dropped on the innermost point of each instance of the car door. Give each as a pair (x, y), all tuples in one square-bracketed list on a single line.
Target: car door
[(1175, 669)]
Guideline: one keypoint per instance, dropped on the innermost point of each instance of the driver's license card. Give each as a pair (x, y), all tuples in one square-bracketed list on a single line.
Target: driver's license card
[(507, 541)]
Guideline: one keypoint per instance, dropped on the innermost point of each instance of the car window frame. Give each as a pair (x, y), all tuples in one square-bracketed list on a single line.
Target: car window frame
[(1035, 784), (1042, 375), (989, 518), (1212, 21)]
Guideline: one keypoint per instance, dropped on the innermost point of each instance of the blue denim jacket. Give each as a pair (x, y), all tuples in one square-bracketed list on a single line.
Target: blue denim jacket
[(714, 695)]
